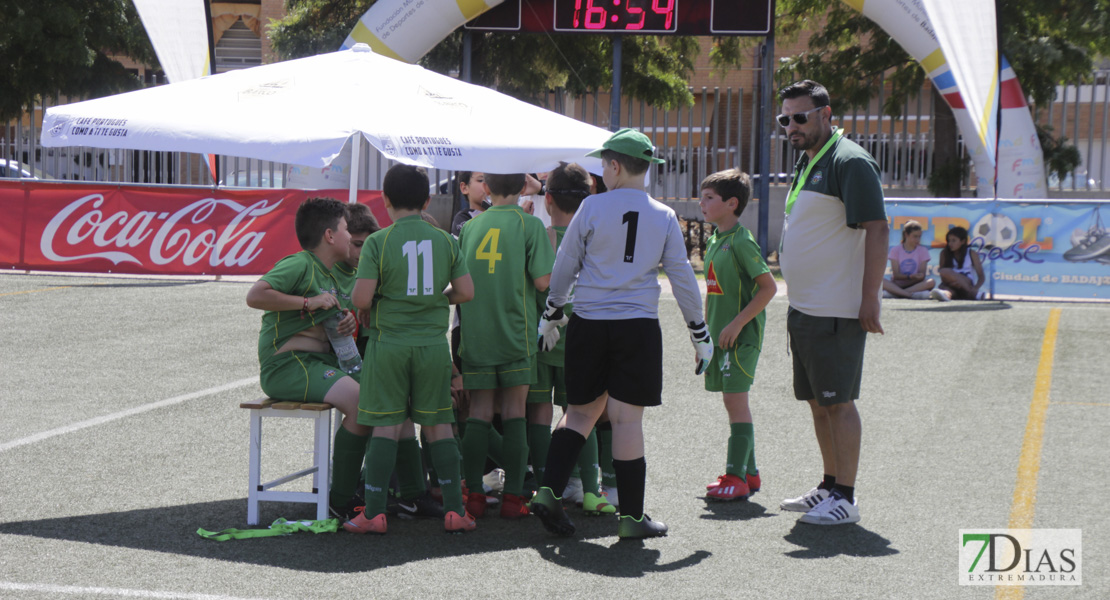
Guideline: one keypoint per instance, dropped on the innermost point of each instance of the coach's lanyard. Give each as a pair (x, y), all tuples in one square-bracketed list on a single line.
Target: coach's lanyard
[(800, 182)]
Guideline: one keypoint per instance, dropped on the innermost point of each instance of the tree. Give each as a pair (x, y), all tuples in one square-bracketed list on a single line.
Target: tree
[(1047, 43), (526, 66), (65, 47)]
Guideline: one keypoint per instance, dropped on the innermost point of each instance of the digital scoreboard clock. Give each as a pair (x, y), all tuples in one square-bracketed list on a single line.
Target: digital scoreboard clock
[(628, 17), (633, 16)]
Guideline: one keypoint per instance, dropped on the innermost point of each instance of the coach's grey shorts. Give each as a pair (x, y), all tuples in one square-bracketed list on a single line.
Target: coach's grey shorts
[(828, 357)]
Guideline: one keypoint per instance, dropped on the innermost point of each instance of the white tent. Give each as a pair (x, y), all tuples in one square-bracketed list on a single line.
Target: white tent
[(304, 111)]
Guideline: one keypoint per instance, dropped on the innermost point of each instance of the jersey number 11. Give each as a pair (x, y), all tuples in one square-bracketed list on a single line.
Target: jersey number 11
[(411, 250)]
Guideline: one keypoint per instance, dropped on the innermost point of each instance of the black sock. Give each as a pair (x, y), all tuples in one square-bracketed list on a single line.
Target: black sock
[(828, 483), (849, 492), (631, 476), (562, 455)]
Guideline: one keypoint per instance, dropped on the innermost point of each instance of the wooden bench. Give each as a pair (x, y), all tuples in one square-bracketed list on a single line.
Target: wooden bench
[(321, 455)]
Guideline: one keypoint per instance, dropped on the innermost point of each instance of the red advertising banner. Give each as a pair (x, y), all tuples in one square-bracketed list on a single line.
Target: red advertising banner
[(104, 228)]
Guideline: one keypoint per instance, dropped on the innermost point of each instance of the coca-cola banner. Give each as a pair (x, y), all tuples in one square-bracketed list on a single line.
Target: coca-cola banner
[(103, 228)]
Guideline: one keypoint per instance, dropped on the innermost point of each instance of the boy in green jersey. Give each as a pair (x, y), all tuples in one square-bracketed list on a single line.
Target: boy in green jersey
[(297, 361), (738, 288), (509, 256), (567, 186), (408, 275)]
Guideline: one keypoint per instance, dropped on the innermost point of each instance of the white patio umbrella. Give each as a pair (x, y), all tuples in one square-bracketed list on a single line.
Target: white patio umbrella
[(303, 112)]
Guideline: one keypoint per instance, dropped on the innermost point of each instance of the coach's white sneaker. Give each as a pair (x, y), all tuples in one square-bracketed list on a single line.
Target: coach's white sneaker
[(834, 510), (806, 501)]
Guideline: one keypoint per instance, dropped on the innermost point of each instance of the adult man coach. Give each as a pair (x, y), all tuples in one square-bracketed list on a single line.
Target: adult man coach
[(833, 255)]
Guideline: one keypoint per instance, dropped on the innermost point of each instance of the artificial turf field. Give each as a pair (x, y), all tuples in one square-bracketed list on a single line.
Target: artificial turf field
[(122, 435)]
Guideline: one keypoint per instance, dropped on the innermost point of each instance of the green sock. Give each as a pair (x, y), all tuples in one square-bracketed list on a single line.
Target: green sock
[(410, 469), (445, 458), (381, 456), (539, 438), (739, 447), (426, 457), (346, 460), (515, 453), (474, 448), (605, 456), (587, 465), (495, 447)]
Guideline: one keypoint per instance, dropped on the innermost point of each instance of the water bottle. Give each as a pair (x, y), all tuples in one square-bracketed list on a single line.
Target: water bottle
[(344, 346)]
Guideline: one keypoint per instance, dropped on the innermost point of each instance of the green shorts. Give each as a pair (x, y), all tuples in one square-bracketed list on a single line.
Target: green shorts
[(300, 376), (828, 357), (490, 377), (400, 382), (733, 370), (549, 378)]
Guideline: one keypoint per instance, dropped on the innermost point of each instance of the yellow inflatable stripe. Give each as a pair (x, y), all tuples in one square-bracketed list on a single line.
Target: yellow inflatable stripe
[(363, 35), (991, 99), (472, 8), (934, 60)]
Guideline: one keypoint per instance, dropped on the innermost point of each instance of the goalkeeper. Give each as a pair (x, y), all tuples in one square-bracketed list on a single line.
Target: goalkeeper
[(614, 349)]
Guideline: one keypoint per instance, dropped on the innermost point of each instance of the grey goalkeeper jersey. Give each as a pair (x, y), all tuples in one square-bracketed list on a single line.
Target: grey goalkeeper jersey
[(611, 255)]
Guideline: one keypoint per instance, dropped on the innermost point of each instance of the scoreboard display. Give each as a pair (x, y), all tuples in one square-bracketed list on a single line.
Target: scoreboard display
[(655, 17)]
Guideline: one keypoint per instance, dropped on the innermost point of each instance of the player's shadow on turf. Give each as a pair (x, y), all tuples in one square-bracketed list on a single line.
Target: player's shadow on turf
[(734, 511), (818, 541), (620, 559), (173, 530)]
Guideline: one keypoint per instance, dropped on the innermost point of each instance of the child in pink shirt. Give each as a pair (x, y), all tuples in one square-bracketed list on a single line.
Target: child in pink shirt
[(908, 262)]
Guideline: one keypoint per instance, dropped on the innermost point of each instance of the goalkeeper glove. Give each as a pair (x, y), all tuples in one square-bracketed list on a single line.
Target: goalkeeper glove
[(550, 322), (703, 345)]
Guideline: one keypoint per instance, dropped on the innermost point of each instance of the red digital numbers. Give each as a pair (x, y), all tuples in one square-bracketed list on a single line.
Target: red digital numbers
[(591, 14)]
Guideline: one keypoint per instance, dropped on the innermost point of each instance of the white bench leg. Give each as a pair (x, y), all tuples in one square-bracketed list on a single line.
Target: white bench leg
[(321, 479), (255, 468)]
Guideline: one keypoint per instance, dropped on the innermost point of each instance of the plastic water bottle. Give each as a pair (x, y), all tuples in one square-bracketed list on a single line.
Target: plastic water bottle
[(344, 346)]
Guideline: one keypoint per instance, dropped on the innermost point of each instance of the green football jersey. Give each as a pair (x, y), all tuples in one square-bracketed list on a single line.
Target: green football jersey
[(413, 263), (300, 274), (345, 276), (554, 357), (732, 262), (505, 249)]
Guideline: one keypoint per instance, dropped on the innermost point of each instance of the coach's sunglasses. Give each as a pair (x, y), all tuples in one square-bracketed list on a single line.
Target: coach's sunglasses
[(800, 118)]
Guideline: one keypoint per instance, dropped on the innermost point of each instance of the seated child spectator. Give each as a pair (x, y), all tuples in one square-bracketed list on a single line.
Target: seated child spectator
[(297, 361), (908, 263), (408, 275), (958, 263), (738, 288)]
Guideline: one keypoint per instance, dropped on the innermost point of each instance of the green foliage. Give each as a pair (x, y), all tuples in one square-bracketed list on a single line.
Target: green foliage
[(63, 47), (947, 179), (525, 66), (1060, 157)]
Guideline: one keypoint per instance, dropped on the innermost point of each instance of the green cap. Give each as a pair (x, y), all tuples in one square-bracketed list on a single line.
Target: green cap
[(631, 142)]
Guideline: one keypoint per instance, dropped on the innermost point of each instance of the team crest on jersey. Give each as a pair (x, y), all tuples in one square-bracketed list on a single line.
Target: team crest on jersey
[(711, 286), (817, 177), (725, 248), (329, 373)]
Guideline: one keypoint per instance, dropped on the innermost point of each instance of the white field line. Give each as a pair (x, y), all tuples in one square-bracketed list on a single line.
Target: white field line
[(38, 437), (45, 588)]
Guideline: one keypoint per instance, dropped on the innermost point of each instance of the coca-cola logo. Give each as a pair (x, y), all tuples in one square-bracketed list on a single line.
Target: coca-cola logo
[(169, 237)]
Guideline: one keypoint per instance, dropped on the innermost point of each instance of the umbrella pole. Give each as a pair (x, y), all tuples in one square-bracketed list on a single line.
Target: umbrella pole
[(356, 145)]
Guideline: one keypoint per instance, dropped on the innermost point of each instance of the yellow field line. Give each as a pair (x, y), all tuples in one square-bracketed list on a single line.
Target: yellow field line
[(61, 287), (1025, 490)]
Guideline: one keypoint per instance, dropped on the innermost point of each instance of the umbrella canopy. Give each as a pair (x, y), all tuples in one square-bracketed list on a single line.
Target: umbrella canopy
[(303, 111)]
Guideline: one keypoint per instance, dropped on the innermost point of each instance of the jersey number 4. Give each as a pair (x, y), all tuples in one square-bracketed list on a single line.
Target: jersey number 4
[(487, 250), (412, 251)]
